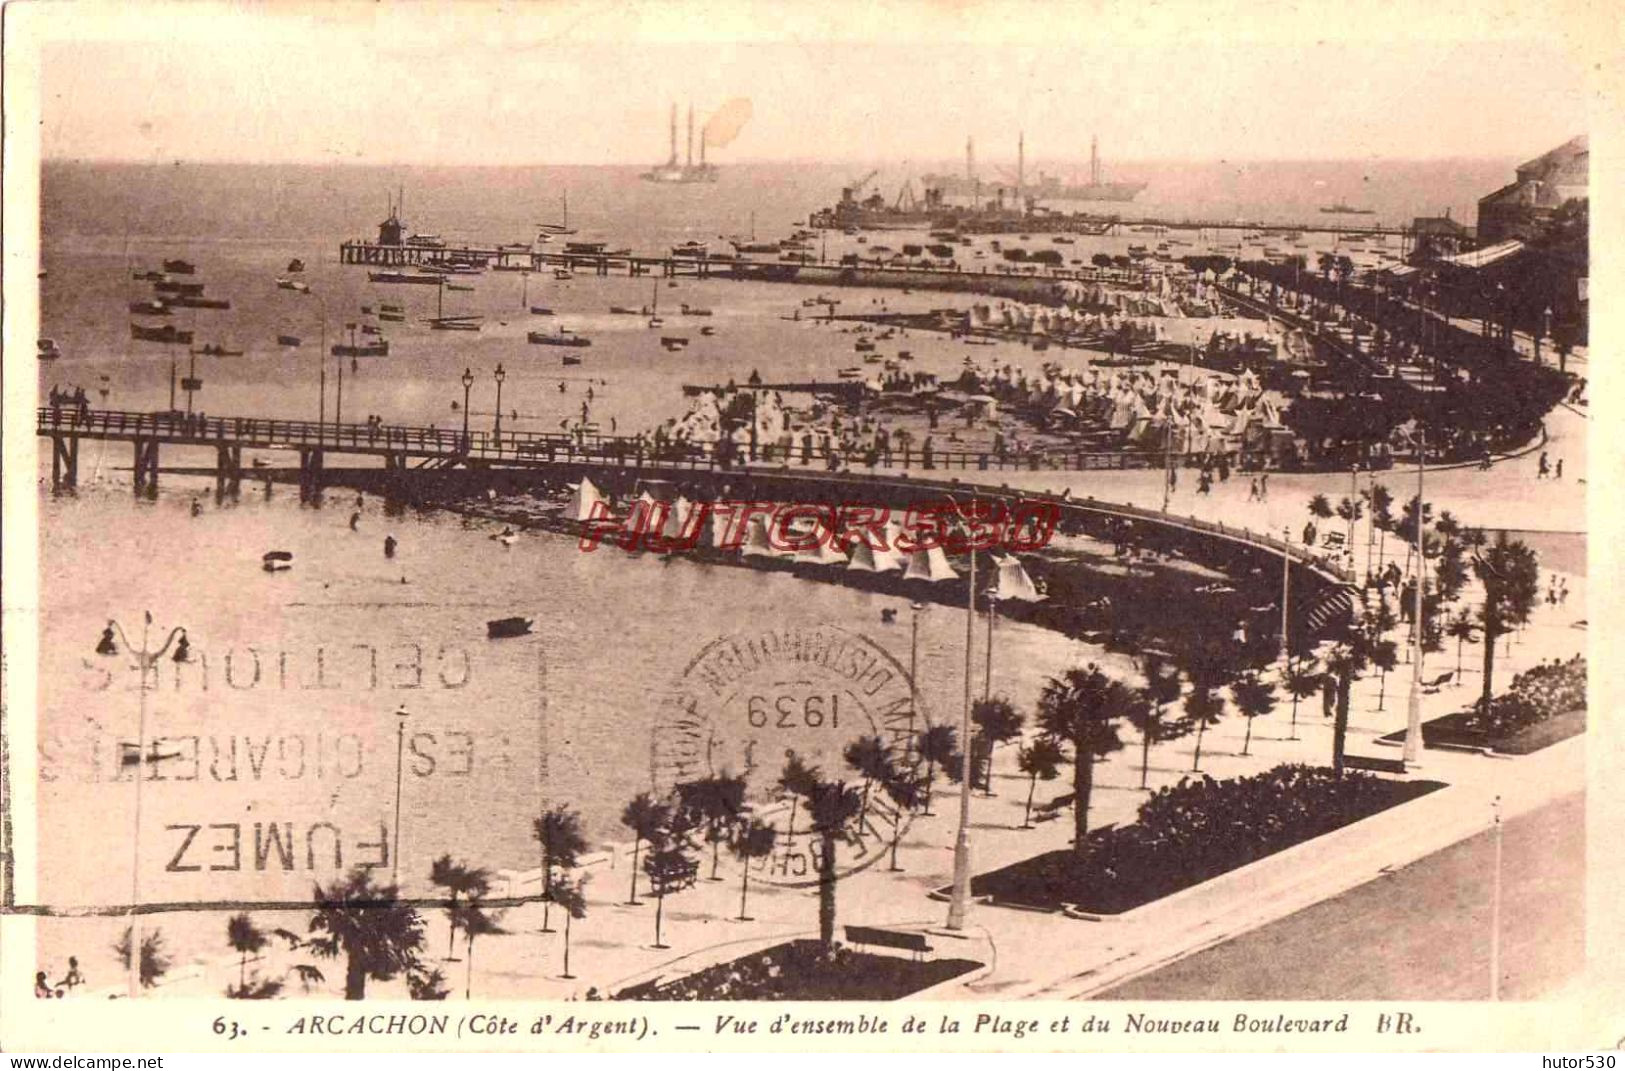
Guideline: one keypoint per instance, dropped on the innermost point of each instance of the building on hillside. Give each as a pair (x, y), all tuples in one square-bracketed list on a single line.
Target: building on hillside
[(1525, 208)]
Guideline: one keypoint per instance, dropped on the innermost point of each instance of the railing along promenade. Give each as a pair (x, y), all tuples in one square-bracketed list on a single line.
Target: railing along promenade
[(445, 451)]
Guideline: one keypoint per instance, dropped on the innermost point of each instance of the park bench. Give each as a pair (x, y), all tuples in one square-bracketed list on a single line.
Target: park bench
[(1374, 764), (870, 935)]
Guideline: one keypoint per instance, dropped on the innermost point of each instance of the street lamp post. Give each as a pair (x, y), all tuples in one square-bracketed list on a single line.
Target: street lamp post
[(1495, 906), (500, 375), (401, 714), (1286, 587), (992, 613), (1413, 709), (468, 384), (961, 891), (147, 661)]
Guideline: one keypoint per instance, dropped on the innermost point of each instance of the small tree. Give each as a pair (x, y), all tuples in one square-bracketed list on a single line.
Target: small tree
[(458, 879), (670, 863), (1379, 651), (558, 831), (1350, 510), (1040, 759), (1148, 714), (1320, 508), (867, 757), (937, 746), (155, 957), (1254, 697), (906, 789), (247, 939), (476, 922), (1464, 630), (714, 805), (796, 780), (1204, 708), (1303, 679), (997, 722), (428, 984), (1510, 573), (572, 898), (752, 840), (1081, 708), (833, 808), (645, 817)]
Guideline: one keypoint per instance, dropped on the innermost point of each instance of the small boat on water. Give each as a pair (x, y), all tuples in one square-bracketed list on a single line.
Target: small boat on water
[(180, 267), (655, 321), (674, 342), (540, 310), (369, 329), (563, 338), (849, 373), (864, 345), (293, 284), (504, 627), (214, 350), (192, 301), (708, 330), (622, 310), (392, 317), (402, 277), (276, 561), (287, 340), (149, 276), (568, 360), (454, 323), (507, 537), (295, 266), (905, 355), (362, 349), (170, 286), (563, 274), (48, 350), (167, 333), (150, 308), (695, 310), (464, 289)]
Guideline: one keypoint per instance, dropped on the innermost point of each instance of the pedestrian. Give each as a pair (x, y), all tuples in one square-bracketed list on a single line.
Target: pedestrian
[(1264, 487), (1558, 472), (389, 546), (74, 977), (42, 988), (355, 521), (1545, 467), (1563, 591), (1252, 490)]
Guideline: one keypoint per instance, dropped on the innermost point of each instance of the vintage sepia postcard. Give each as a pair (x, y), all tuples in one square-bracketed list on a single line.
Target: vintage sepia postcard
[(904, 526)]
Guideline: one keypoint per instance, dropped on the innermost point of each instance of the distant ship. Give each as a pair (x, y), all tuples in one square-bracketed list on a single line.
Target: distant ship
[(673, 172), (1047, 188), (1341, 209), (873, 213)]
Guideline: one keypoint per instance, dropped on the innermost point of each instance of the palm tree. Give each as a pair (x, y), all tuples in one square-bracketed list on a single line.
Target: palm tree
[(715, 803), (1254, 698), (1350, 510), (378, 935), (1382, 653), (1082, 708), (1343, 662), (796, 780), (1320, 508), (905, 788), (997, 722), (458, 879), (1464, 630), (476, 922), (1510, 573), (644, 816), (1149, 713), (1303, 679), (832, 808), (246, 938), (1040, 759), (572, 897), (752, 840), (938, 746), (559, 833), (1381, 501), (1204, 707), (867, 756), (155, 958)]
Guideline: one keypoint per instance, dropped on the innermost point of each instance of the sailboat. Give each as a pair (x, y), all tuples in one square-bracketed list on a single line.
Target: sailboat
[(441, 322), (550, 229), (654, 307)]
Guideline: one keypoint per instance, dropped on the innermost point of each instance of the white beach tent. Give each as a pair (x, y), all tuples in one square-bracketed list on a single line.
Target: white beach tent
[(823, 554), (679, 520), (757, 543), (1013, 581), (869, 560), (583, 500), (931, 565)]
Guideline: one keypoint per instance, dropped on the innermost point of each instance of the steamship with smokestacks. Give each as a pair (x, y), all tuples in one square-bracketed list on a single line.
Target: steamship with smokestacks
[(673, 172), (1047, 188)]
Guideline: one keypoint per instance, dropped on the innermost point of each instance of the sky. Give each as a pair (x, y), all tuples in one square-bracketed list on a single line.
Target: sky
[(590, 83)]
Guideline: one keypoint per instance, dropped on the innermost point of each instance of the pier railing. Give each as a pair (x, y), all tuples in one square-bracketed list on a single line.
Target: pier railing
[(452, 445)]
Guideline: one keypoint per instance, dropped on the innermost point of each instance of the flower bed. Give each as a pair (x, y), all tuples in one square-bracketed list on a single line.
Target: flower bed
[(804, 970), (1193, 831), (1542, 706)]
